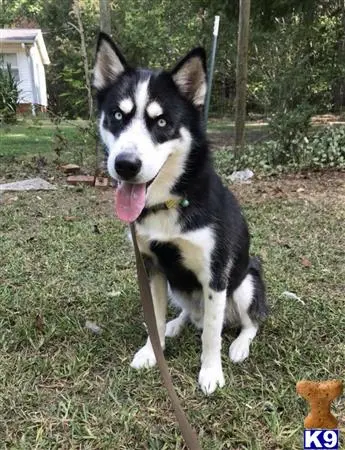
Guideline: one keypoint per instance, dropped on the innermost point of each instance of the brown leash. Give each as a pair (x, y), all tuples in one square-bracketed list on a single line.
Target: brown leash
[(187, 431)]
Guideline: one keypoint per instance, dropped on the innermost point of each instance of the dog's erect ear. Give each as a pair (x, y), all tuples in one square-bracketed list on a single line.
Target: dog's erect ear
[(190, 76), (109, 62)]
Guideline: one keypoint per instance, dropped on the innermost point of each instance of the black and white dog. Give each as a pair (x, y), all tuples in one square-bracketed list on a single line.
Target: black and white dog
[(190, 228)]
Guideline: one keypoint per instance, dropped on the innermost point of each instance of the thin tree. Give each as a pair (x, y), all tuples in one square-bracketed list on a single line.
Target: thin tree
[(105, 26), (80, 28), (241, 75)]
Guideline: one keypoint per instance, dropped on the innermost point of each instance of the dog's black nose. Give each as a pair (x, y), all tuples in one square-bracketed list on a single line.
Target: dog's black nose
[(127, 165)]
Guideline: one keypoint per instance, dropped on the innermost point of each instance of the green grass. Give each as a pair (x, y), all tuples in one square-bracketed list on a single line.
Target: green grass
[(228, 125), (35, 137), (63, 387), (28, 146)]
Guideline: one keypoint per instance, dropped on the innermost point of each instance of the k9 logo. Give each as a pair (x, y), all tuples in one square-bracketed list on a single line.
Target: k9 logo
[(321, 439)]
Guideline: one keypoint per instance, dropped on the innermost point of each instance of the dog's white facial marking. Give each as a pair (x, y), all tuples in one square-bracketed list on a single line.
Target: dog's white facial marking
[(137, 138), (141, 98), (154, 110), (126, 105), (163, 162), (175, 153)]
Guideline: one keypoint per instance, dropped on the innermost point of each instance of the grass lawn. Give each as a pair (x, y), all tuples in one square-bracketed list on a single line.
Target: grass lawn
[(35, 137), (63, 387)]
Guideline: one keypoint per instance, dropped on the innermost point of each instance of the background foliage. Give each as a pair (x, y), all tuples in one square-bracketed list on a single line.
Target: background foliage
[(9, 95), (297, 50)]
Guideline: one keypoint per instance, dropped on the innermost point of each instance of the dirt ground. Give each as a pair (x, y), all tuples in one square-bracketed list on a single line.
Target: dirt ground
[(314, 186), (328, 186)]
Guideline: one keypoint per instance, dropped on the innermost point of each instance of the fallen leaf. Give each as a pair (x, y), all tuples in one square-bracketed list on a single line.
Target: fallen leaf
[(114, 294), (70, 218), (305, 262), (8, 201), (293, 296), (39, 323), (93, 327)]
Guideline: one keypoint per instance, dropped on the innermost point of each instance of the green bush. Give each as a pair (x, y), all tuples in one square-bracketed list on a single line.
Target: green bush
[(325, 148), (286, 128), (9, 95), (321, 149)]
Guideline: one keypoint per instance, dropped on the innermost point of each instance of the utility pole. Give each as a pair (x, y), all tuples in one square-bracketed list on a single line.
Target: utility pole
[(241, 75), (83, 49), (211, 68)]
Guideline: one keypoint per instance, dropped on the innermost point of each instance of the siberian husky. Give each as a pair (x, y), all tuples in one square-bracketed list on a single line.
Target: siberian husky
[(190, 228)]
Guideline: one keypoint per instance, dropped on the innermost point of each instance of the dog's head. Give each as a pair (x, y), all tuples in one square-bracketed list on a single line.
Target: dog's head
[(145, 116)]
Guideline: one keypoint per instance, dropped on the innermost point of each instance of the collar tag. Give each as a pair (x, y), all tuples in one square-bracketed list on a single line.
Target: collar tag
[(171, 203)]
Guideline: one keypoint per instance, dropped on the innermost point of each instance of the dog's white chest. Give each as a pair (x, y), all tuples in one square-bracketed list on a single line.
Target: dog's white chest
[(161, 226), (195, 246)]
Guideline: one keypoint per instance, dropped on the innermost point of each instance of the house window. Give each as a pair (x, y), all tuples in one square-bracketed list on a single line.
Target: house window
[(10, 58)]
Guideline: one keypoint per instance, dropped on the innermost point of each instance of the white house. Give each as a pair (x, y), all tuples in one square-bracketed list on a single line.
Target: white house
[(26, 52)]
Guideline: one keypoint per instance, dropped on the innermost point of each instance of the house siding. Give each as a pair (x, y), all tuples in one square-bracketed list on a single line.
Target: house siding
[(25, 78), (39, 77), (24, 68)]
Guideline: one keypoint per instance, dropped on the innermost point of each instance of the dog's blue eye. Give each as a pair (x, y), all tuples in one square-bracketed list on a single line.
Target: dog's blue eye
[(162, 123), (118, 115)]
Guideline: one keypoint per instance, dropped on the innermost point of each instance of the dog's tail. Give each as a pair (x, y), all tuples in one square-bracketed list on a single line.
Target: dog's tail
[(258, 309)]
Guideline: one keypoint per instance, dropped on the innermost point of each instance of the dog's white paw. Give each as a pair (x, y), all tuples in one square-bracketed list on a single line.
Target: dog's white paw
[(210, 378), (239, 349), (173, 328), (144, 358)]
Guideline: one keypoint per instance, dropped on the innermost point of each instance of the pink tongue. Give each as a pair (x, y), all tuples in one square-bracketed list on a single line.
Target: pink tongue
[(130, 201)]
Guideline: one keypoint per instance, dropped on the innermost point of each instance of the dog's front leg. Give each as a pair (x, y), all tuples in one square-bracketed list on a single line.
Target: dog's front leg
[(145, 357), (211, 372)]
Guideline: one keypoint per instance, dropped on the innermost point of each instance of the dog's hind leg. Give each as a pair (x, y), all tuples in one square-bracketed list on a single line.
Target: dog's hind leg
[(175, 326), (249, 299)]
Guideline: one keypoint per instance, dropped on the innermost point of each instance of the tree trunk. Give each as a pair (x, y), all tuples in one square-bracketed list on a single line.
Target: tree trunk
[(105, 26), (241, 75), (105, 16), (83, 50)]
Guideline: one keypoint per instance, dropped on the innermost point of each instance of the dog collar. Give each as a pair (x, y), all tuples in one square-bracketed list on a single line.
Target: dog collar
[(169, 204)]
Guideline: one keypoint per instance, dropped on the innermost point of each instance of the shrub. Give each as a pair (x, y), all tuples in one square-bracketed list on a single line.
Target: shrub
[(322, 148), (286, 128), (325, 148), (9, 95)]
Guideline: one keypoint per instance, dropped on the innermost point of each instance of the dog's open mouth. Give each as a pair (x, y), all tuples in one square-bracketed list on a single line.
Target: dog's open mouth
[(130, 200)]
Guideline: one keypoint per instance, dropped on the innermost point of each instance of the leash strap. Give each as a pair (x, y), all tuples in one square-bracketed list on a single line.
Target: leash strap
[(187, 431)]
